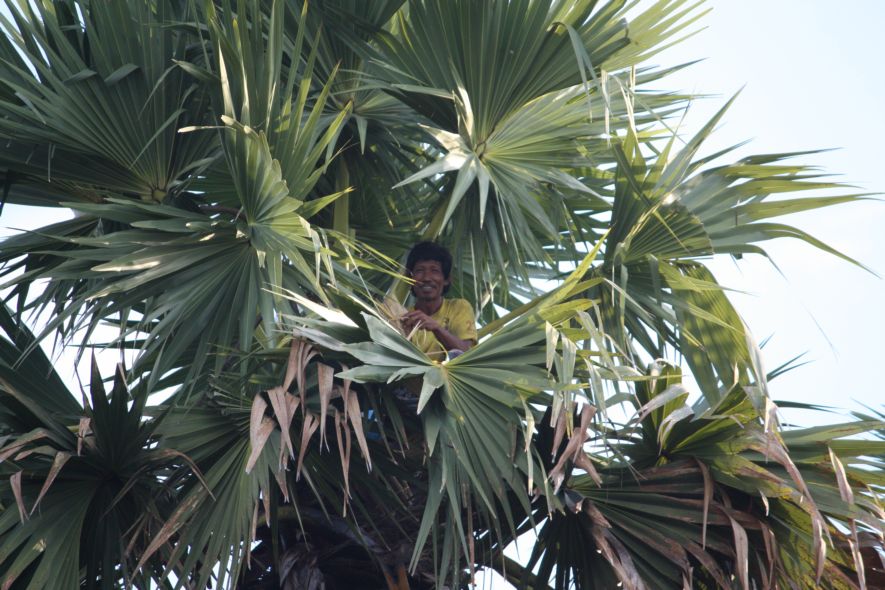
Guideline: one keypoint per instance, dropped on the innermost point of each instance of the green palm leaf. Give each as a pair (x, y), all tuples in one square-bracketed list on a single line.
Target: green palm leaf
[(507, 92), (670, 212), (246, 178), (82, 488), (99, 86), (179, 268)]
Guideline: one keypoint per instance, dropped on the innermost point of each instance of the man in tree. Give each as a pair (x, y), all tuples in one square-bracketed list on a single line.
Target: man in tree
[(445, 326)]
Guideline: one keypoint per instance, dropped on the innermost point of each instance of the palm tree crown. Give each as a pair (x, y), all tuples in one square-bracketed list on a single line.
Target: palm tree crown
[(246, 178)]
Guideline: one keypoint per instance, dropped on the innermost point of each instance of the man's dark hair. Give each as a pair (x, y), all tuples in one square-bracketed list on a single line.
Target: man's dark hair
[(431, 251)]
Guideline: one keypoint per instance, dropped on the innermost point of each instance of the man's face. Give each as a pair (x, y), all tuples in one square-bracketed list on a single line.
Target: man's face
[(429, 280)]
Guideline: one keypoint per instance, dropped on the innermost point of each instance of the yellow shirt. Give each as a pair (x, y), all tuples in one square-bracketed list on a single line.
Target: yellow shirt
[(456, 316)]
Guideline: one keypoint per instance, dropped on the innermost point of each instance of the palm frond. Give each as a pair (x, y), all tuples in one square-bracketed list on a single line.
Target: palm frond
[(83, 488)]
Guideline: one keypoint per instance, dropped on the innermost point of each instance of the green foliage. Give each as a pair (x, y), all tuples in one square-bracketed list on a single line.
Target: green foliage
[(245, 178), (90, 485)]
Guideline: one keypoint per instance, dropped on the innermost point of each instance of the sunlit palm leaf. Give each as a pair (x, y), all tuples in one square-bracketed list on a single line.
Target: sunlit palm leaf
[(98, 101), (184, 268), (668, 213), (507, 90)]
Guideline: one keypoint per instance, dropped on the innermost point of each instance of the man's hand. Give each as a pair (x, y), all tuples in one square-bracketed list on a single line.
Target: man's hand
[(419, 318), (425, 322)]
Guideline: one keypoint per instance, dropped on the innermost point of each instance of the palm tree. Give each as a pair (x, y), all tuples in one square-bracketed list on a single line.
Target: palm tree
[(245, 179)]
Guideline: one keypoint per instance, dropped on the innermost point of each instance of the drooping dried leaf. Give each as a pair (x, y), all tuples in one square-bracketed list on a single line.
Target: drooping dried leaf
[(82, 431), (281, 458), (529, 434), (574, 451), (292, 364), (281, 407), (265, 499), (844, 487), (355, 415), (710, 564), (299, 357), (708, 497), (773, 447), (253, 536), (60, 459), (771, 554), (345, 390), (172, 525), (292, 403), (280, 477), (325, 375), (618, 557), (340, 422), (352, 412), (854, 544), (347, 453), (137, 530), (310, 426), (257, 444), (741, 547), (770, 421), (25, 454), (583, 461), (15, 481), (163, 454), (847, 496), (16, 446), (558, 432), (256, 415), (595, 514)]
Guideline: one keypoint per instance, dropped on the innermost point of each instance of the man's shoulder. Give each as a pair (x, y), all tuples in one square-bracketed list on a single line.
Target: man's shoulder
[(459, 304), (457, 301), (458, 308)]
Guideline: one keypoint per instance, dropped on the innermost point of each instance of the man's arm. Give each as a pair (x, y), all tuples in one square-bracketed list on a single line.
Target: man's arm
[(449, 340)]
